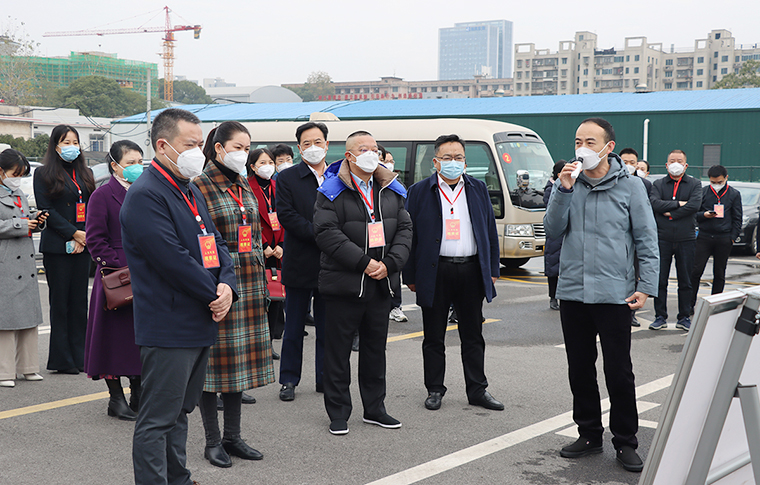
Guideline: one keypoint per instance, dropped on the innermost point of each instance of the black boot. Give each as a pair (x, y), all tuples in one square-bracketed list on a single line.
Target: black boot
[(117, 404), (135, 389)]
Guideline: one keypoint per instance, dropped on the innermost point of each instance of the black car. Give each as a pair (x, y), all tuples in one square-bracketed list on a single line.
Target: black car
[(748, 237)]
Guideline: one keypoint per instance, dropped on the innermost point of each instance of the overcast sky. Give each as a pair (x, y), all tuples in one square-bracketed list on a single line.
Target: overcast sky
[(253, 43)]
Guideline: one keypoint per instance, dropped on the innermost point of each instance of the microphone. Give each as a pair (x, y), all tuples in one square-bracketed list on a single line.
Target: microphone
[(578, 169)]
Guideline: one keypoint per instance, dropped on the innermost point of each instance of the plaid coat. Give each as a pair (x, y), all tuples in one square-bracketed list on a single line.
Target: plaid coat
[(242, 356)]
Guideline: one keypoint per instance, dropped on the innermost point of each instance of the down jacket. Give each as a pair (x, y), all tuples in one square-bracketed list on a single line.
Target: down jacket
[(602, 226), (340, 228), (553, 246)]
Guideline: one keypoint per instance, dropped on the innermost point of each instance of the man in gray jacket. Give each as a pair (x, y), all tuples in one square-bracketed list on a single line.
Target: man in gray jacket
[(604, 215)]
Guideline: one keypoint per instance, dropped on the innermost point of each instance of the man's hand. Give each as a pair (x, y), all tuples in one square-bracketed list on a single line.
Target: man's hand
[(666, 214), (564, 176), (413, 287), (221, 306), (493, 279), (710, 214), (372, 267), (380, 273), (682, 203), (636, 300)]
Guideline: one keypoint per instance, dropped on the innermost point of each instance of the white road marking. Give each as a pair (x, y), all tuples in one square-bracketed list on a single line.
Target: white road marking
[(475, 452), (43, 329)]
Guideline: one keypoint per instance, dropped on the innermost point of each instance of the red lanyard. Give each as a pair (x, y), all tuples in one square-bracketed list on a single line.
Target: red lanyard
[(193, 207), (370, 203), (447, 199), (716, 194), (74, 179), (17, 203), (268, 199), (675, 187), (239, 200)]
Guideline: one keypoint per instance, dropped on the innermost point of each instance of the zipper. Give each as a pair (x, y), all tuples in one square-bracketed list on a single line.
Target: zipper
[(380, 212), (366, 242)]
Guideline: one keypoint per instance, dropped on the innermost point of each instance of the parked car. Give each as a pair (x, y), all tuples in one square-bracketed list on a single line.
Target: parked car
[(101, 174), (748, 237), (27, 186)]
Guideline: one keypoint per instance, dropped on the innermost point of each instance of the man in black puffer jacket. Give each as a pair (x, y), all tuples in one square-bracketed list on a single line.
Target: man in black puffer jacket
[(365, 235)]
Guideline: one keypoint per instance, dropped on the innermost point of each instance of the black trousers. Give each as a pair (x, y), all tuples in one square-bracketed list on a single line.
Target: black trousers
[(276, 316), (232, 411), (684, 252), (462, 286), (172, 384), (344, 317), (552, 280), (720, 249), (67, 276), (396, 287), (581, 323), (291, 353)]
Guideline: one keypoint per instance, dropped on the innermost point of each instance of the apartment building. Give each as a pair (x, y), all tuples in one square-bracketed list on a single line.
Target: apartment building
[(580, 67)]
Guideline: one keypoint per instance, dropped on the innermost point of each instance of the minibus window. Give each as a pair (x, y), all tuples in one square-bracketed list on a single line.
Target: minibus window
[(527, 167)]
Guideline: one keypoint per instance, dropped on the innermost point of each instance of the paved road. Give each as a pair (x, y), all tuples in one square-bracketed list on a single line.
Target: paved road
[(57, 431)]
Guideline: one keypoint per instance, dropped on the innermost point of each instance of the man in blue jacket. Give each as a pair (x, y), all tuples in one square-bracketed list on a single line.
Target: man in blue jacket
[(183, 283), (604, 216), (454, 259)]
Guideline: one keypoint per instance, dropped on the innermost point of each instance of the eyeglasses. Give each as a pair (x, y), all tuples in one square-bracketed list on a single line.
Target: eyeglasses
[(447, 158)]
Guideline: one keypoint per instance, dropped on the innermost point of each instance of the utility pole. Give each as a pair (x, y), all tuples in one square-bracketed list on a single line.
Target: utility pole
[(149, 147)]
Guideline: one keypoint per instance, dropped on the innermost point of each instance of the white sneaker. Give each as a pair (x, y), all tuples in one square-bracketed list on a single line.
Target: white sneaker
[(7, 384), (33, 377), (398, 315)]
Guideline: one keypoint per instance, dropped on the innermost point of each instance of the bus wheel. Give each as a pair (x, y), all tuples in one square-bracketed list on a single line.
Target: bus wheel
[(513, 262)]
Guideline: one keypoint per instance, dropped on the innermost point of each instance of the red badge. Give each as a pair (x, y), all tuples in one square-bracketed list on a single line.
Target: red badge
[(208, 251), (274, 221), (245, 241), (452, 229), (718, 208), (376, 234), (507, 158), (80, 212)]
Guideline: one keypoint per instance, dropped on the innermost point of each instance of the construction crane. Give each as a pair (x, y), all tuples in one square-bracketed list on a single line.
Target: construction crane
[(168, 46)]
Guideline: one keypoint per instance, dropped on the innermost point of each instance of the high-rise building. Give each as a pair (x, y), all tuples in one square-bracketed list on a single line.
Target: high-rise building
[(579, 67), (475, 49)]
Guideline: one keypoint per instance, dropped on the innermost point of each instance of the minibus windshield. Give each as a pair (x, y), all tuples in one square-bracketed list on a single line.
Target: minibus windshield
[(527, 167)]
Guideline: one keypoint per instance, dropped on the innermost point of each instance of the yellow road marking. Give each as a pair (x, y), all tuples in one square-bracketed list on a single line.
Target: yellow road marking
[(53, 405), (407, 336)]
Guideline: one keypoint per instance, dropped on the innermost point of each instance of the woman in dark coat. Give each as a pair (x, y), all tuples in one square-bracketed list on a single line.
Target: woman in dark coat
[(110, 350), (63, 186), (261, 168), (553, 246)]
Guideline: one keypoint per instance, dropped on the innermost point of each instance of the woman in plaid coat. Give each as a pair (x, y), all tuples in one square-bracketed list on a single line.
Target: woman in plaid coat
[(242, 356)]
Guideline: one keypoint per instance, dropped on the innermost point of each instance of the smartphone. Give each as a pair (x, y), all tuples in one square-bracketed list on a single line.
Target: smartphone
[(70, 246), (43, 212), (711, 212)]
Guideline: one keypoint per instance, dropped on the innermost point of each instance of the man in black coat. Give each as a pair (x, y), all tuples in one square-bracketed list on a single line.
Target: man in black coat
[(720, 222), (296, 194), (365, 235)]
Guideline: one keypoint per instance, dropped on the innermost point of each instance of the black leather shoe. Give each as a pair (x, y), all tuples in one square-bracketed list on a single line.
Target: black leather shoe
[(433, 401), (288, 392), (275, 355), (217, 456), (248, 399), (241, 449), (73, 371), (120, 409), (487, 401), (581, 447), (630, 460)]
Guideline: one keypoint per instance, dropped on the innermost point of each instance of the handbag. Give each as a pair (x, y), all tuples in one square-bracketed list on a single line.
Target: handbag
[(117, 286), (275, 288)]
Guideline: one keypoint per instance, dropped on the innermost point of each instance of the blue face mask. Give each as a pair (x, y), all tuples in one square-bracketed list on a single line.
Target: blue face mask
[(131, 172), (451, 169), (70, 153)]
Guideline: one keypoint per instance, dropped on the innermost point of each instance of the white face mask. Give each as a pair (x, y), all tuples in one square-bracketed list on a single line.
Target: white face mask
[(314, 154), (716, 187), (641, 174), (235, 161), (389, 166), (675, 169), (631, 169), (590, 158), (13, 183), (265, 171), (190, 162), (367, 161), (284, 165)]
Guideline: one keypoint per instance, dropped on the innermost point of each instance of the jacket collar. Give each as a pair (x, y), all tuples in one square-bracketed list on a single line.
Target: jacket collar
[(338, 179), (616, 172), (118, 190), (222, 181)]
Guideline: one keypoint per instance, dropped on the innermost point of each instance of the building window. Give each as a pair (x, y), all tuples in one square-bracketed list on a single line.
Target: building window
[(724, 70), (564, 72), (519, 63), (636, 58), (717, 36), (618, 59), (736, 59), (700, 72), (527, 86), (445, 89), (585, 72), (434, 89), (715, 54), (724, 59), (668, 62), (683, 85), (626, 70), (668, 85), (598, 72), (715, 78), (715, 67), (597, 84), (412, 90), (454, 88), (519, 86), (700, 60), (366, 90), (635, 70), (519, 74), (564, 60), (699, 84), (580, 37), (97, 143), (668, 73), (394, 89), (585, 84), (424, 90), (627, 58)]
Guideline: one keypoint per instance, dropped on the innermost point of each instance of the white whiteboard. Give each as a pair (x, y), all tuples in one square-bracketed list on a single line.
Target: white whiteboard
[(693, 389)]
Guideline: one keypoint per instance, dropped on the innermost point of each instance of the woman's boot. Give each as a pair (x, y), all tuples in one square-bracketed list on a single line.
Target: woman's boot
[(135, 389), (117, 404)]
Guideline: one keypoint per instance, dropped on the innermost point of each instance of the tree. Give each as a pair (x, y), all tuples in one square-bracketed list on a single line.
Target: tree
[(748, 77), (17, 80), (319, 83), (99, 96), (34, 147), (186, 92)]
